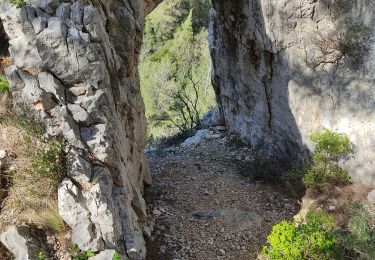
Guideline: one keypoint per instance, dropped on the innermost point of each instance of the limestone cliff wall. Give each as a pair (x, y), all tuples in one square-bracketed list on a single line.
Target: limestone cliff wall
[(285, 68), (75, 68)]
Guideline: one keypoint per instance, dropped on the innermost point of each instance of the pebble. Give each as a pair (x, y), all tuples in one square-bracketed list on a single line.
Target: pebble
[(332, 208), (156, 212), (371, 197), (3, 154), (221, 252)]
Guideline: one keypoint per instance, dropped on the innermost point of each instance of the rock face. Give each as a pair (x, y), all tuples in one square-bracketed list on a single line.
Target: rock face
[(75, 68), (22, 242), (283, 69)]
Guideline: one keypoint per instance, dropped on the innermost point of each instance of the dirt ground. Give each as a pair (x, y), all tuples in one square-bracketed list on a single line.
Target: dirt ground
[(209, 202)]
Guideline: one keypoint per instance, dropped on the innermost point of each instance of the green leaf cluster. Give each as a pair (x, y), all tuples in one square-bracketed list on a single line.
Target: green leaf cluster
[(310, 239), (359, 237), (78, 254), (18, 3), (324, 167), (4, 85), (330, 143)]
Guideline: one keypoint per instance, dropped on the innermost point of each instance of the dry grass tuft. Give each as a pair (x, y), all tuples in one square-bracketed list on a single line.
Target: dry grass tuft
[(35, 168)]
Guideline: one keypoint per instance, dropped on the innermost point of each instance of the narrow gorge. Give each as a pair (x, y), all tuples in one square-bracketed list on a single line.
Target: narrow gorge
[(282, 69)]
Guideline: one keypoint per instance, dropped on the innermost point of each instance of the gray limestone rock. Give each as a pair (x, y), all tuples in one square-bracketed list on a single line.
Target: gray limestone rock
[(21, 242), (279, 76)]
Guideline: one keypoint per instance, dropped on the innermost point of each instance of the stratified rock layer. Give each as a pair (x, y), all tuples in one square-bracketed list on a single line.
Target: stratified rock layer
[(75, 68), (283, 69)]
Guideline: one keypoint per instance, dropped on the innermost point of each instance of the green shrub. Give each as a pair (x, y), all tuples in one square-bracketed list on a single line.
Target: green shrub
[(4, 85), (18, 3), (311, 239), (359, 236), (330, 143), (77, 254), (323, 167)]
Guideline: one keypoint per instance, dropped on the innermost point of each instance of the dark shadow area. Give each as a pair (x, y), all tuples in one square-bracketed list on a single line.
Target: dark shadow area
[(4, 42)]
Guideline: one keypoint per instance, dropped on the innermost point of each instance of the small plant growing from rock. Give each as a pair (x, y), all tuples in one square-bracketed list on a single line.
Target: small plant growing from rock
[(18, 3), (40, 256), (78, 254), (4, 85), (117, 256), (312, 238)]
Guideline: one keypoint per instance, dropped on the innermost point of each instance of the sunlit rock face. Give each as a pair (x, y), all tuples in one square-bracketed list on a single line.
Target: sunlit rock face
[(75, 68), (284, 69)]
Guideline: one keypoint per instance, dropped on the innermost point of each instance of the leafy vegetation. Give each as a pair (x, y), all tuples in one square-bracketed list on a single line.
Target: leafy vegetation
[(358, 238), (174, 67), (4, 85), (18, 3), (40, 256), (312, 239), (324, 165), (117, 256), (77, 254)]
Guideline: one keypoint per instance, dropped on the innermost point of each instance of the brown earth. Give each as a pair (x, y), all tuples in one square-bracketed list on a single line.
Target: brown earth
[(211, 203)]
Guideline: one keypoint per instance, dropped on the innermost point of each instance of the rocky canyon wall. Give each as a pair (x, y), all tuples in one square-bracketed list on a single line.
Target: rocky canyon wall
[(285, 68), (75, 68)]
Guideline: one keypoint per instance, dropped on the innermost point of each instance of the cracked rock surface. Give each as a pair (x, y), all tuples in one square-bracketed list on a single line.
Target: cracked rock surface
[(280, 74), (75, 68)]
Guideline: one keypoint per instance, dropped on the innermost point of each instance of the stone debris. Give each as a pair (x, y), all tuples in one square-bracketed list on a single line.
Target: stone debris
[(217, 208), (3, 154)]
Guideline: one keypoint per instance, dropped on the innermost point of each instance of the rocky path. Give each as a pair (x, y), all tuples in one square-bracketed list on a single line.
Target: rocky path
[(209, 203)]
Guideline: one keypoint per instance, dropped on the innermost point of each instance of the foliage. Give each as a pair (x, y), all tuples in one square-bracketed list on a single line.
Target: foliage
[(41, 256), (174, 67), (359, 236), (312, 239), (117, 256), (18, 3), (77, 254), (323, 168), (330, 143), (4, 85)]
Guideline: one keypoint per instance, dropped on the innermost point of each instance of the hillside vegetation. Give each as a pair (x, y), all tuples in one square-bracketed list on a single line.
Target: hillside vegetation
[(175, 67)]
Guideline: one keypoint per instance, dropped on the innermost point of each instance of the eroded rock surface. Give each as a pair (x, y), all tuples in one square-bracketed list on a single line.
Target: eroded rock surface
[(75, 68), (283, 69)]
